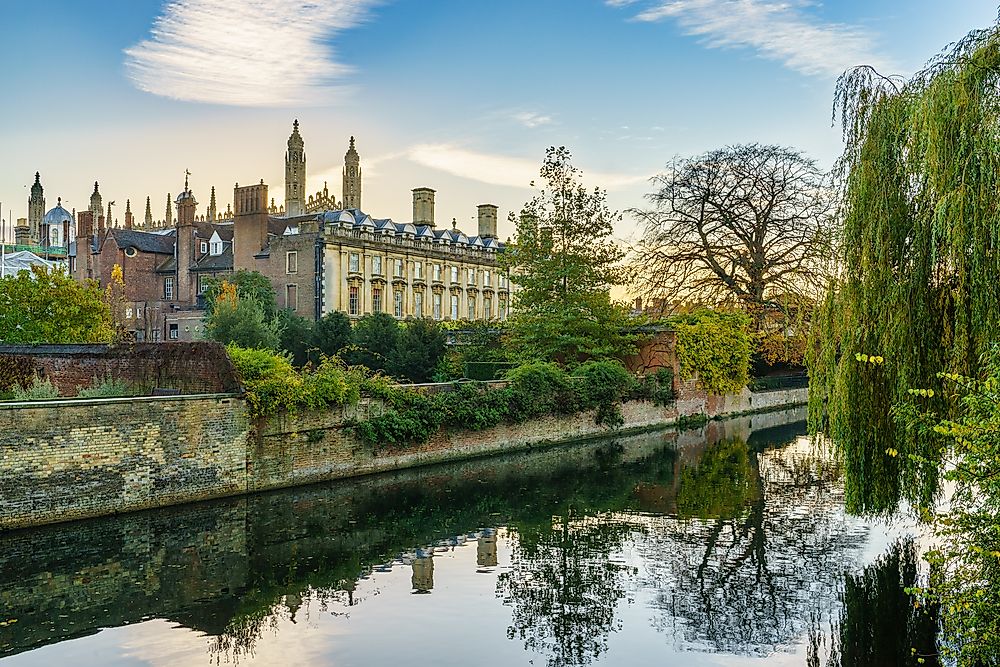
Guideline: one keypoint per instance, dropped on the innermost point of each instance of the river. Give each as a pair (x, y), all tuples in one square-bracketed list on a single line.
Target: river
[(724, 545)]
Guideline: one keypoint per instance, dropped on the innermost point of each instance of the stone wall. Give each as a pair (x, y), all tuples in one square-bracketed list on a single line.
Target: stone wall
[(71, 459), (65, 460), (201, 367)]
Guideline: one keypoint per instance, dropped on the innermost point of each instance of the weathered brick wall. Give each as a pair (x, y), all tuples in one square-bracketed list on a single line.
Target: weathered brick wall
[(202, 367), (66, 460)]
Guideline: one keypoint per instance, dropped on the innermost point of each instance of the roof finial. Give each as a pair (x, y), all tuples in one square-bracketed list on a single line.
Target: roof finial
[(295, 125), (186, 174), (95, 187), (37, 176), (352, 142)]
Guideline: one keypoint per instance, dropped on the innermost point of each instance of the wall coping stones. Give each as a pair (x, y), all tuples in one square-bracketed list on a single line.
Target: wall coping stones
[(78, 402)]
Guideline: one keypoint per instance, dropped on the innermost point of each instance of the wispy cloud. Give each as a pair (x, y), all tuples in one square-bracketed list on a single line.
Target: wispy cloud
[(781, 30), (531, 119), (245, 52), (504, 170)]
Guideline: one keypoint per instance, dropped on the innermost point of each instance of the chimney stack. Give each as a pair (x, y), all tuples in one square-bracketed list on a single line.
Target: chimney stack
[(22, 232), (250, 218), (423, 206), (487, 221)]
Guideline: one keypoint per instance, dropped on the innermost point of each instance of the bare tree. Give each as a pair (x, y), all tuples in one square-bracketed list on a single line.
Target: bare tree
[(747, 225)]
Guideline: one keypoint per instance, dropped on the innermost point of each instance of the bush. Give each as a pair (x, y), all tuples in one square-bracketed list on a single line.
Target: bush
[(419, 348), (715, 347), (540, 388), (476, 407), (40, 390), (271, 384), (105, 387), (658, 388), (604, 382), (329, 384), (373, 341)]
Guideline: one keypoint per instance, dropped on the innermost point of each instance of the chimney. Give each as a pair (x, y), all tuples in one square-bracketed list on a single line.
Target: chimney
[(22, 233), (487, 221), (83, 269), (250, 217), (186, 206), (423, 206)]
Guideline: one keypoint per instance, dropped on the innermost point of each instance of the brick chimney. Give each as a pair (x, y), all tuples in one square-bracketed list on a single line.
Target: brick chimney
[(250, 216)]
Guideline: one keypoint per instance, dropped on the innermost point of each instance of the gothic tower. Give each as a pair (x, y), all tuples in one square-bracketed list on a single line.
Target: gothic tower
[(295, 174), (36, 209), (96, 204), (128, 214), (147, 221), (169, 220), (352, 178), (213, 211)]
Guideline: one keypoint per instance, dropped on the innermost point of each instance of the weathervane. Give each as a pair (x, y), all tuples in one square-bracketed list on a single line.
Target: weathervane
[(186, 174)]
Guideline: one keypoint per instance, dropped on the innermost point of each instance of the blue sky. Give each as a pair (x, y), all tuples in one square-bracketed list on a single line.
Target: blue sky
[(460, 96)]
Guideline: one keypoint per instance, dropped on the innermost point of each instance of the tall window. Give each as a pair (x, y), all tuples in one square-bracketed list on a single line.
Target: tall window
[(397, 270), (471, 277), (454, 275), (472, 307), (437, 272), (487, 307), (352, 300), (397, 303), (454, 306), (418, 304), (292, 296), (376, 299), (168, 288), (502, 310), (418, 270), (437, 306), (487, 278), (202, 284), (502, 279), (377, 265), (292, 262), (354, 263), (173, 332)]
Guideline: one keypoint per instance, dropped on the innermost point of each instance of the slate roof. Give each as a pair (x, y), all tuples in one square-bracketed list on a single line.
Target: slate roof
[(160, 244)]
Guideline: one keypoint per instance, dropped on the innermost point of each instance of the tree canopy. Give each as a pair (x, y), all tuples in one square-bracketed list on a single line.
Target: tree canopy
[(564, 263), (46, 306)]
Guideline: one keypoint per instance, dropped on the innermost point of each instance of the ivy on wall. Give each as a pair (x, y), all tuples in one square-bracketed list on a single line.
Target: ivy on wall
[(715, 347)]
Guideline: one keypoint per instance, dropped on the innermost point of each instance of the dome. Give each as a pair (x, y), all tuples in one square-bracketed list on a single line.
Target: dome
[(57, 215)]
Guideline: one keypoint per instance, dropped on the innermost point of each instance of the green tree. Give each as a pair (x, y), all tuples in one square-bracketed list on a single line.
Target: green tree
[(297, 336), (564, 264), (46, 306), (241, 321), (373, 341), (249, 284), (332, 333), (420, 347)]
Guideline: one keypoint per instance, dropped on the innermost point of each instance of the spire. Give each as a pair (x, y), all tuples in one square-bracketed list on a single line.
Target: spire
[(352, 143), (352, 177), (169, 220), (147, 221), (95, 187), (212, 211), (37, 178), (295, 173), (186, 174)]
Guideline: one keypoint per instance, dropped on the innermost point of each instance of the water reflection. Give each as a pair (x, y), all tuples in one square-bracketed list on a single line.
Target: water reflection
[(724, 540)]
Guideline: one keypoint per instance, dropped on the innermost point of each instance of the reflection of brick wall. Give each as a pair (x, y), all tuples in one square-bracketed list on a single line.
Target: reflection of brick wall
[(202, 368)]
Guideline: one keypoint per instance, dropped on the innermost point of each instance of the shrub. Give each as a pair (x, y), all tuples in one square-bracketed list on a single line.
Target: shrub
[(716, 347), (271, 384), (604, 382), (476, 407), (329, 384), (658, 388), (540, 388), (39, 390), (105, 387), (419, 348)]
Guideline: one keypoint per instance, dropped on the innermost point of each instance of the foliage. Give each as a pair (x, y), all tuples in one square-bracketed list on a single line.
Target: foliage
[(240, 321), (249, 285), (564, 263), (297, 336), (743, 226), (715, 346), (39, 390), (419, 348), (540, 388), (270, 381), (965, 574), (50, 307), (657, 387), (105, 387), (329, 384), (332, 333), (114, 296), (373, 341)]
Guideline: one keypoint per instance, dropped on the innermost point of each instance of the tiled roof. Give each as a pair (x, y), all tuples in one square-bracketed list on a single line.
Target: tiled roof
[(143, 241)]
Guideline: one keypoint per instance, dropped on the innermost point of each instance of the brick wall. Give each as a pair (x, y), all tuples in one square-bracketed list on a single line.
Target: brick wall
[(201, 367), (74, 459)]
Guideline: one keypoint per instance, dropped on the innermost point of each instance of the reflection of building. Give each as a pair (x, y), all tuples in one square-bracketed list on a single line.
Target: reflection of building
[(423, 572), (486, 549)]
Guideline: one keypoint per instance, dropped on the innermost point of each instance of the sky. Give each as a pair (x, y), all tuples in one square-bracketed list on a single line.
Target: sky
[(457, 95)]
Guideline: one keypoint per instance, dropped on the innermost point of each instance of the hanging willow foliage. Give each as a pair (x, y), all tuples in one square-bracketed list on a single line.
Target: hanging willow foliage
[(920, 279)]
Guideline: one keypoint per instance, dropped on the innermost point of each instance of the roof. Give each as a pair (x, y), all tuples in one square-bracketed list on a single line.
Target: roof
[(223, 262), (160, 244), (15, 262)]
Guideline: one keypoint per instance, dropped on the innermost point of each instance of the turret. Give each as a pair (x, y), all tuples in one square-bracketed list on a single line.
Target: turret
[(352, 177), (295, 173)]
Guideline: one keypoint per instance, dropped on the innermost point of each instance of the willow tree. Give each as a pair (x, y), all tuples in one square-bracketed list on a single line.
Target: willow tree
[(917, 294)]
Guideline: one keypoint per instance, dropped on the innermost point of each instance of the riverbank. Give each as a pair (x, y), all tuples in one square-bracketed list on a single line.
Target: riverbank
[(74, 459)]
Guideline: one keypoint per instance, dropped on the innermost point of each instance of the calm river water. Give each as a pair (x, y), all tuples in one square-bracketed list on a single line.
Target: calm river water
[(725, 545)]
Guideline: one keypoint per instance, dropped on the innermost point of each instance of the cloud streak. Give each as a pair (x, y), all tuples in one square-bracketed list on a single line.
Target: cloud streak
[(515, 172), (255, 53), (780, 30)]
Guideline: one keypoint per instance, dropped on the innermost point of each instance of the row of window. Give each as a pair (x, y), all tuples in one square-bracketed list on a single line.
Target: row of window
[(399, 271), (354, 305), (168, 286)]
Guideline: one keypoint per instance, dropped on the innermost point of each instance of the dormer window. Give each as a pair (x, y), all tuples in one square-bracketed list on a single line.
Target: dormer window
[(204, 247), (216, 248)]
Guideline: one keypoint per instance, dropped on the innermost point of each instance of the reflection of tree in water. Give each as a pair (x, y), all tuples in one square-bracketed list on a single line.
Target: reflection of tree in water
[(760, 546), (564, 587), (879, 624)]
